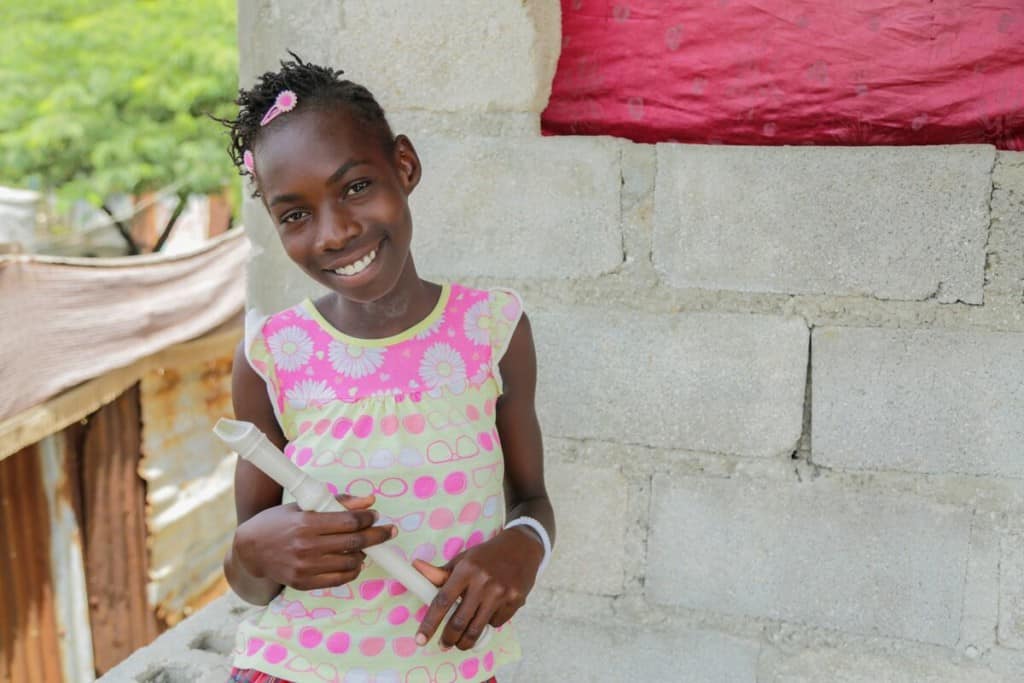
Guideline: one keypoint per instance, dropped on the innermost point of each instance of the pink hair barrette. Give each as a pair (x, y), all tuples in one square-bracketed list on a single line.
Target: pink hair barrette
[(286, 101), (248, 162)]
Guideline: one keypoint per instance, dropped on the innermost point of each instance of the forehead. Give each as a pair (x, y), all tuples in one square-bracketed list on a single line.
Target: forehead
[(314, 143)]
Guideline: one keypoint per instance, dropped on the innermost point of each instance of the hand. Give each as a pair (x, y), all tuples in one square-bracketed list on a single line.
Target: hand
[(493, 580), (308, 550)]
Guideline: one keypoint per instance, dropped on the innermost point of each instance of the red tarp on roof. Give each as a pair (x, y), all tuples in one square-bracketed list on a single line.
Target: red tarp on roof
[(773, 72)]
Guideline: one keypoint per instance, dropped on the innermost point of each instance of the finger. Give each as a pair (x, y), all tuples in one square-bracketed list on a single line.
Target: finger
[(355, 502), (357, 540), (460, 619), (345, 522), (439, 606), (435, 575), (476, 627), (501, 615), (325, 580), (335, 562)]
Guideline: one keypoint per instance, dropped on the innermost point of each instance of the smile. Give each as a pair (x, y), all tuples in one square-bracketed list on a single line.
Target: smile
[(359, 266)]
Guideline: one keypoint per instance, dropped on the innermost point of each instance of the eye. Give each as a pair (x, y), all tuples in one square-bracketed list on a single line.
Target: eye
[(358, 187), (294, 216)]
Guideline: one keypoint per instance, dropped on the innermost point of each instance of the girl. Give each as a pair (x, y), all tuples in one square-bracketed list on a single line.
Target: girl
[(413, 401)]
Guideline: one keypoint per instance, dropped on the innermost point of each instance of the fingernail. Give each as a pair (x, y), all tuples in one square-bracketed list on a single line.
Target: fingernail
[(421, 639), (376, 515), (445, 648), (394, 531)]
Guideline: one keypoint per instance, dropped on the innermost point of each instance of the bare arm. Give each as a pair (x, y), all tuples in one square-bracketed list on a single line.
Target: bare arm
[(520, 433), (254, 491), (494, 578), (277, 545)]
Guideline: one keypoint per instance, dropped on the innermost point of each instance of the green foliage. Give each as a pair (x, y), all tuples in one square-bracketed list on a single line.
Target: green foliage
[(105, 96)]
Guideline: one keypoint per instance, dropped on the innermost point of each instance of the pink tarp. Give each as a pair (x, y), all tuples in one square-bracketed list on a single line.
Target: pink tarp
[(774, 72), (67, 320)]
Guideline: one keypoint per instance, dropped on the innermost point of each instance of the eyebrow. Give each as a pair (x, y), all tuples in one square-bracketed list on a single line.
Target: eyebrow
[(335, 177), (343, 169)]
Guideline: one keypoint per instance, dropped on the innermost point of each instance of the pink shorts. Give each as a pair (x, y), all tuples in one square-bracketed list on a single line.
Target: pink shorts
[(254, 676)]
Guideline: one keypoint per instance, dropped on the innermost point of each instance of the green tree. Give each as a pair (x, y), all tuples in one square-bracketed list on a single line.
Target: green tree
[(114, 96)]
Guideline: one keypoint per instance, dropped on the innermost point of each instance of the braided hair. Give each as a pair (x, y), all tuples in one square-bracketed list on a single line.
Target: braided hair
[(315, 86)]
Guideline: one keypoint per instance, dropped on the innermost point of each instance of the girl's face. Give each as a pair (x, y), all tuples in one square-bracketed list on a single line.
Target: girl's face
[(339, 200)]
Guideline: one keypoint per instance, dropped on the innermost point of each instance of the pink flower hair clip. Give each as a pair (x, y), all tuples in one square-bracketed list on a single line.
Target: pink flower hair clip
[(248, 162), (286, 101)]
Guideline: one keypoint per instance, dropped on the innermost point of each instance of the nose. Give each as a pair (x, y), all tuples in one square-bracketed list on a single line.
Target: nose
[(337, 229)]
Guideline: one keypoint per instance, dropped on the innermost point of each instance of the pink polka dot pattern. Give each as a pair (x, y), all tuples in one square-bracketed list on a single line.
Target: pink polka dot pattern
[(441, 518), (404, 647), (341, 428), (414, 424), (310, 637), (275, 653), (455, 483), (470, 512), (389, 425), (452, 547), (254, 645), (371, 647), (399, 615), (371, 589), (425, 487), (485, 441), (363, 427), (411, 421), (469, 668), (338, 642)]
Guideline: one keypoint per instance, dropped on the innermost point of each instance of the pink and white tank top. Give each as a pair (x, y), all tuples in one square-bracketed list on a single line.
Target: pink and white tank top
[(411, 418)]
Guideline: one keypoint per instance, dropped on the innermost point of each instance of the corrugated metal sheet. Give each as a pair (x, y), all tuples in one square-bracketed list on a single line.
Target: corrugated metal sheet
[(190, 511), (29, 648), (112, 514), (66, 561)]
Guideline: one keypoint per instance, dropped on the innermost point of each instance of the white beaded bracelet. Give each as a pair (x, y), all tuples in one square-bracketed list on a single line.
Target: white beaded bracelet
[(541, 531)]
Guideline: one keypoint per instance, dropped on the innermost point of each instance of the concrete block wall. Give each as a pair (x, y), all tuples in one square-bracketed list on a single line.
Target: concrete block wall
[(781, 388)]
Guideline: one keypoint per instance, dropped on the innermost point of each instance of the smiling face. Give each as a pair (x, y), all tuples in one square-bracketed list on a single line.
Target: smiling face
[(339, 200)]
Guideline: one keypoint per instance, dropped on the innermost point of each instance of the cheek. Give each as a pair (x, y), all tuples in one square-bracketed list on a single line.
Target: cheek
[(294, 246)]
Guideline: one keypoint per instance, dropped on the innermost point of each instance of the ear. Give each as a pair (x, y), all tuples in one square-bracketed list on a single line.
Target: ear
[(407, 163)]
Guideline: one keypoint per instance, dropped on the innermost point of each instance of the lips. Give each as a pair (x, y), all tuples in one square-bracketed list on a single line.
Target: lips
[(357, 266)]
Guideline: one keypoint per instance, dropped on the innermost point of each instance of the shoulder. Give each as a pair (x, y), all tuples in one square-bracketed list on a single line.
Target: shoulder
[(266, 333)]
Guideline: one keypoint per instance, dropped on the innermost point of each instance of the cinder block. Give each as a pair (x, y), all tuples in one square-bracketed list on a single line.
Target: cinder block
[(723, 383), (835, 666), (894, 223), (518, 207), (936, 401), (814, 554), (444, 55), (1011, 592), (590, 504), (556, 650)]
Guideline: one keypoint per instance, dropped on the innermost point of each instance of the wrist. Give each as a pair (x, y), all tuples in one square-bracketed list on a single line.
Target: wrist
[(537, 532)]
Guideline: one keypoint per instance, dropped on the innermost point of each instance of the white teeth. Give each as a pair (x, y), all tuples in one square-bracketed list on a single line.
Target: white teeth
[(359, 266)]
